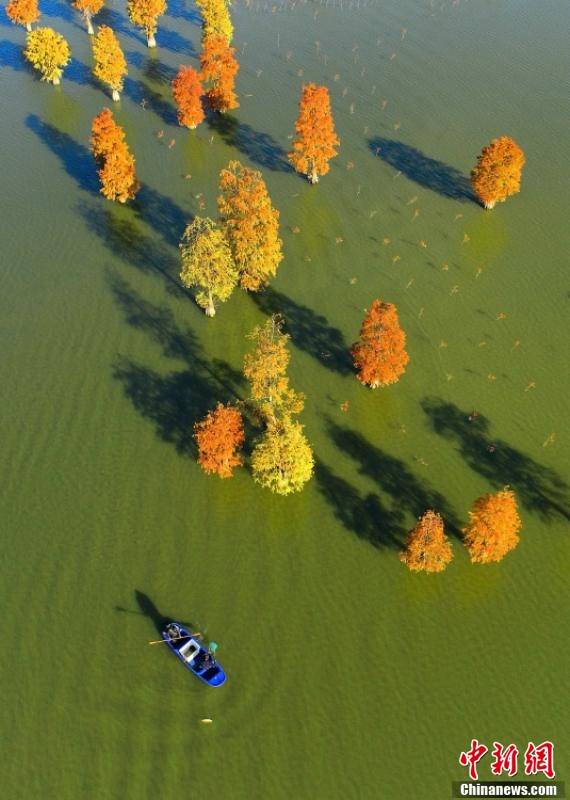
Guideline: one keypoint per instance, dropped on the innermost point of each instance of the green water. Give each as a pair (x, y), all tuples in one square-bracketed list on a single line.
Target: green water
[(348, 677)]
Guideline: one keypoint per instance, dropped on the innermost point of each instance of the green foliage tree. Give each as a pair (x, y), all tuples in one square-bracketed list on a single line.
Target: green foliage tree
[(282, 460)]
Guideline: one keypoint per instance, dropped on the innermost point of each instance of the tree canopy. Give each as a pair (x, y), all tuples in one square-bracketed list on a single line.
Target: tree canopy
[(498, 171), (380, 356), (110, 64), (427, 548), (493, 529), (145, 14), (187, 92), (219, 438), (219, 70), (48, 52), (23, 12), (316, 141)]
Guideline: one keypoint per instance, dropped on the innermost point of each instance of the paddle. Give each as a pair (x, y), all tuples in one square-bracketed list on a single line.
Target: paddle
[(189, 636)]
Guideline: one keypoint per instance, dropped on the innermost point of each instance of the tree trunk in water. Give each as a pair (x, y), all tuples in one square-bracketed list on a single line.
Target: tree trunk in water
[(490, 204), (90, 30), (313, 175), (56, 81), (210, 309), (116, 96), (151, 41), (29, 27)]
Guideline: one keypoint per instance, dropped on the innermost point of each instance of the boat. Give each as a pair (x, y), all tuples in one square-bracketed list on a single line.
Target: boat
[(195, 657)]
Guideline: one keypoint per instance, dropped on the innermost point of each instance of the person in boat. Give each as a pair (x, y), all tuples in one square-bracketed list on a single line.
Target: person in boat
[(206, 660), (173, 631)]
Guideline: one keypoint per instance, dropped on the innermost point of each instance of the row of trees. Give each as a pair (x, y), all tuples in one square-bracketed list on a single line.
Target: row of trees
[(492, 532), (282, 458)]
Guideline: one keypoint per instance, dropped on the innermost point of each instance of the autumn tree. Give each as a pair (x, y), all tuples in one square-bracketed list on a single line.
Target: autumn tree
[(216, 20), (48, 52), (145, 14), (23, 12), (427, 548), (187, 91), (497, 173), (251, 225), (493, 529), (316, 141), (219, 70), (105, 134), (117, 164), (282, 460), (219, 438), (110, 63), (207, 263), (88, 9), (380, 355), (266, 370)]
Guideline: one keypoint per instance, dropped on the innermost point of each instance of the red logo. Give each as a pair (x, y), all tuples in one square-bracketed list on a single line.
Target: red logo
[(537, 758)]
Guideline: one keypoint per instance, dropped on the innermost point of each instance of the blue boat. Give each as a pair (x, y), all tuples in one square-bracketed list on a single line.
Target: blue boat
[(193, 655)]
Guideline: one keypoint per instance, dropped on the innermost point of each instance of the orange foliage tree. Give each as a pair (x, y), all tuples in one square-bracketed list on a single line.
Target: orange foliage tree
[(23, 12), (117, 165), (110, 63), (88, 9), (380, 356), (251, 225), (145, 14), (427, 548), (316, 140), (219, 70), (497, 173), (493, 529), (187, 91), (219, 437)]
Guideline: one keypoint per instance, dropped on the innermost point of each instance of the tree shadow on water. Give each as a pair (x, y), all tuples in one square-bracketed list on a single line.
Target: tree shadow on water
[(407, 492), (426, 171), (261, 148), (363, 514), (176, 400), (126, 240), (310, 332), (76, 159), (539, 489), (161, 213)]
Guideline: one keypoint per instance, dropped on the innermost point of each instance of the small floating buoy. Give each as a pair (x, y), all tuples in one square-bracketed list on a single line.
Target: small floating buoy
[(207, 721)]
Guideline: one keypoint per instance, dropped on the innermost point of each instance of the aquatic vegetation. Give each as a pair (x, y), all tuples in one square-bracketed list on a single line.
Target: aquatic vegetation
[(316, 140), (497, 174), (251, 225), (48, 52), (110, 149), (207, 263), (219, 69), (88, 9), (219, 438), (110, 65), (380, 355), (427, 549), (187, 92), (23, 12), (145, 14), (493, 529)]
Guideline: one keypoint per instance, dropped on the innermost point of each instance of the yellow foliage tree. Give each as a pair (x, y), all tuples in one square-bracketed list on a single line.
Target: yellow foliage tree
[(493, 529), (497, 173), (110, 63), (23, 12), (316, 140), (427, 548), (48, 52), (283, 460), (207, 263), (88, 9), (251, 224), (145, 14), (265, 368), (216, 20)]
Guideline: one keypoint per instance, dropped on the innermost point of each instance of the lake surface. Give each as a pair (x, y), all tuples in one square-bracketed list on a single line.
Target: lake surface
[(348, 676)]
